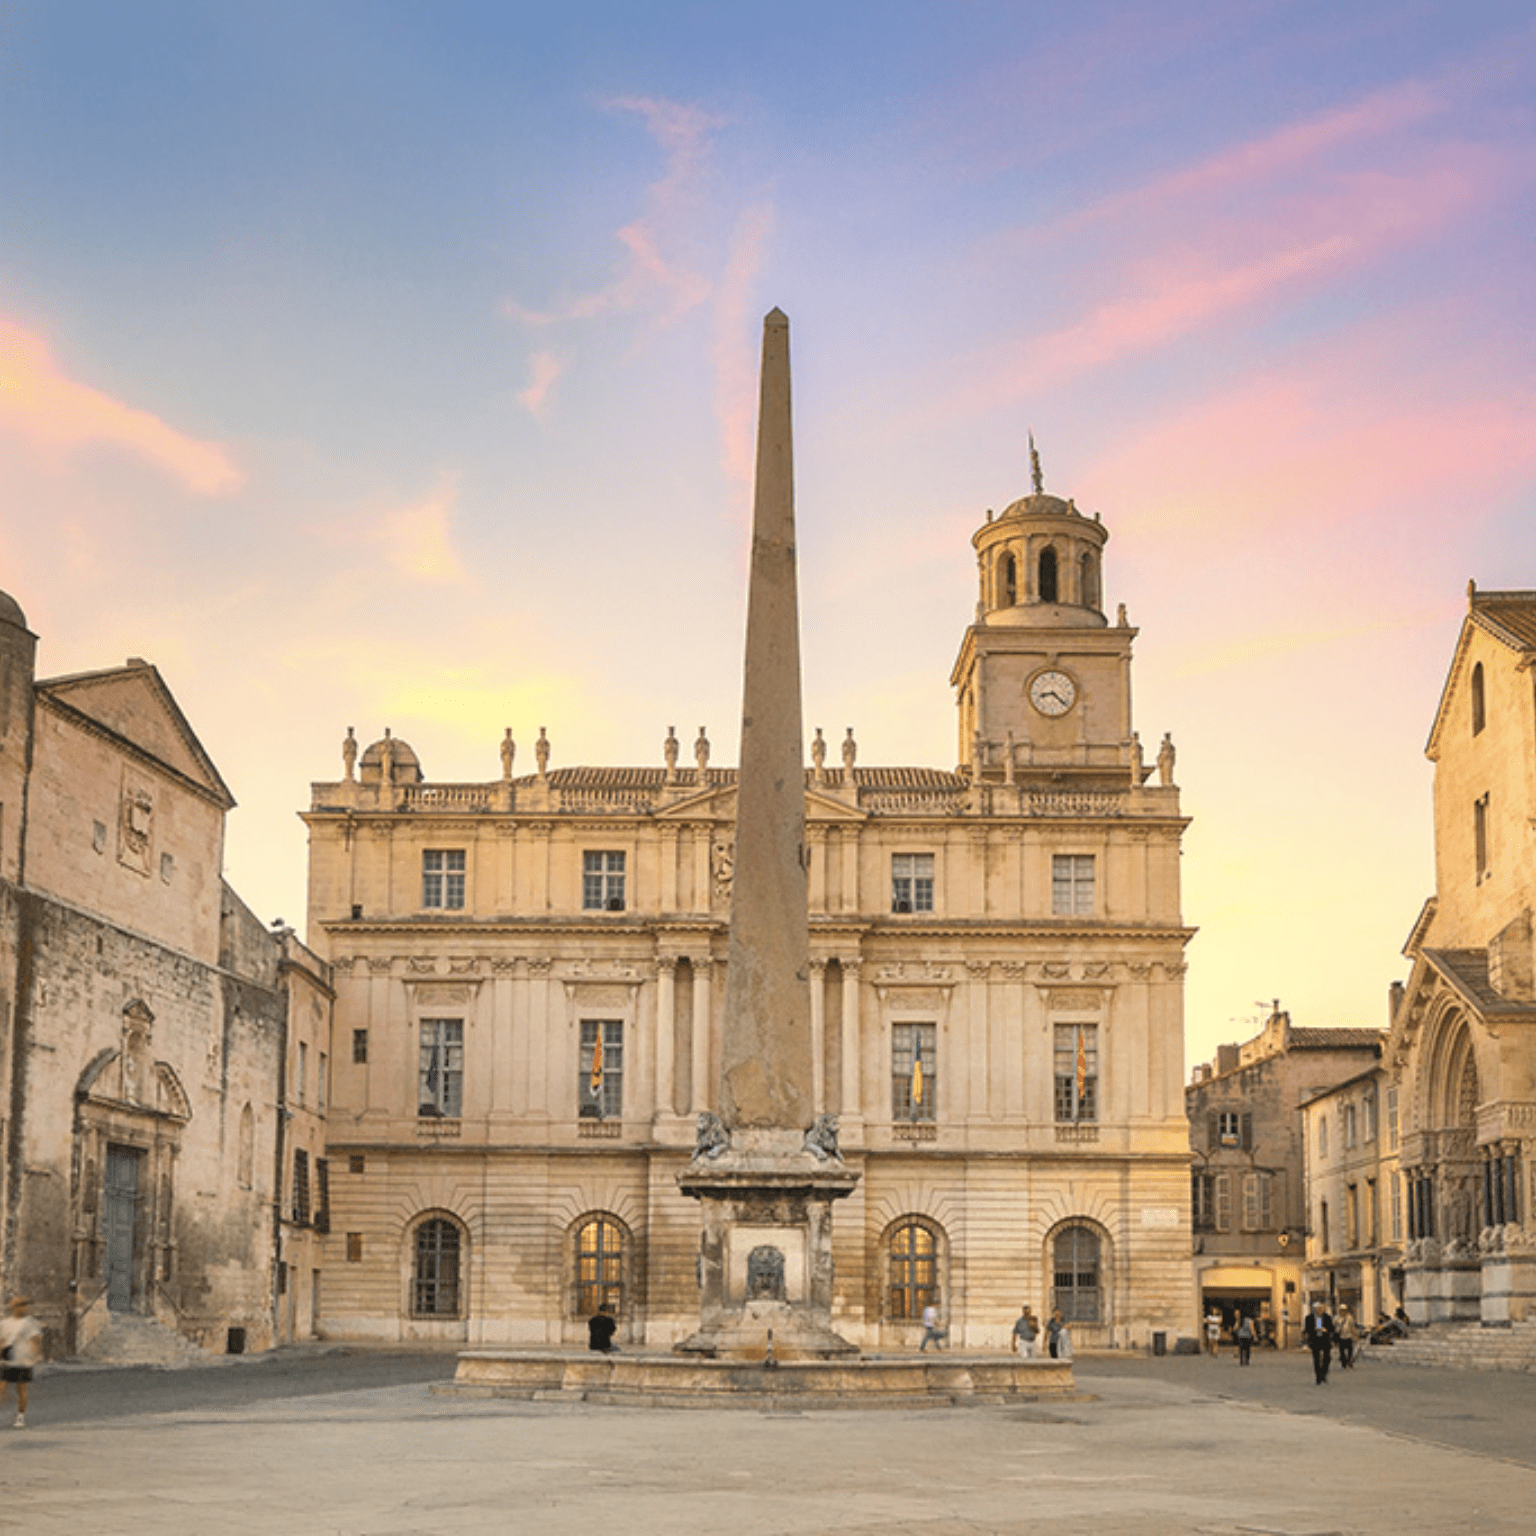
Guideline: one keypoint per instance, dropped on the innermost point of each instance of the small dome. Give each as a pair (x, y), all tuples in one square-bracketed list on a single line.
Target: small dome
[(404, 756), (1040, 505), (10, 611)]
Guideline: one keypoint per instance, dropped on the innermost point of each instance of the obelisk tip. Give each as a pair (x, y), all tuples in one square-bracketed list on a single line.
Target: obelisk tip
[(776, 317)]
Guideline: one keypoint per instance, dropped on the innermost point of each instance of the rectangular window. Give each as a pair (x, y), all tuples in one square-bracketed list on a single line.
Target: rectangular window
[(1392, 1119), (322, 1194), (1072, 882), (1077, 1072), (1322, 1136), (441, 1073), (1372, 1215), (1480, 835), (1322, 1225), (321, 1069), (1350, 1126), (1202, 1201), (1228, 1127), (301, 1187), (602, 882), (600, 1093), (360, 1046), (911, 882), (1257, 1202), (357, 1162), (1223, 1201), (1370, 1118), (442, 878), (1352, 1217), (914, 1071), (1397, 1207), (354, 1247), (303, 1072)]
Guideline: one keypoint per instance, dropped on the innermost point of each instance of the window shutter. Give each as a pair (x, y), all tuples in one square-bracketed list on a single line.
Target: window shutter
[(1247, 1131), (1212, 1130)]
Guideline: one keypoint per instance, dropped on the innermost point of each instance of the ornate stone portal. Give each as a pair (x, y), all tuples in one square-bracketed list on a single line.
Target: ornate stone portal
[(764, 1173)]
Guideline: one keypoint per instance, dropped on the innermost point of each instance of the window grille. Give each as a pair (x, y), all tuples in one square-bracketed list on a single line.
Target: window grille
[(599, 1267), (602, 882), (360, 1046), (914, 1071), (1072, 884), (442, 878), (1076, 1290), (435, 1284), (914, 1272), (600, 1088), (301, 1187), (441, 1074), (911, 882), (1077, 1072)]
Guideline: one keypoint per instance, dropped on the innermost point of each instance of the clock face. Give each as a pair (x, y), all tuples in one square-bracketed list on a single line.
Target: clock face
[(1052, 693)]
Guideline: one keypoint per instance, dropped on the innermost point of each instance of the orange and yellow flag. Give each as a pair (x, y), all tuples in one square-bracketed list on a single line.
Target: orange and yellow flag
[(917, 1074), (1082, 1065), (596, 1082)]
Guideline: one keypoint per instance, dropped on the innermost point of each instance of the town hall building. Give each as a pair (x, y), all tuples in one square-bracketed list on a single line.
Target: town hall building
[(529, 981)]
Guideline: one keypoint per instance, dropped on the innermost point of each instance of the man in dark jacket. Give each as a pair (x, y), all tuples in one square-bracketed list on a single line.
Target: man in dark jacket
[(1318, 1335)]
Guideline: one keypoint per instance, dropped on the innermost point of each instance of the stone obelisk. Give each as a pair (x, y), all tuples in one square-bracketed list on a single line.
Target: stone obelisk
[(765, 1047), (766, 1168)]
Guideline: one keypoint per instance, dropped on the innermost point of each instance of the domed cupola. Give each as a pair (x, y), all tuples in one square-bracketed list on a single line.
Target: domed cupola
[(1041, 562)]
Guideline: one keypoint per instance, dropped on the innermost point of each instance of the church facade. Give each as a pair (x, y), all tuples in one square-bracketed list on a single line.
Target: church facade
[(1462, 1047), (529, 977)]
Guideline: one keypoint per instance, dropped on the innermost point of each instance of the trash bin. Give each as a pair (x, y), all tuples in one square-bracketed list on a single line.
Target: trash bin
[(1159, 1343)]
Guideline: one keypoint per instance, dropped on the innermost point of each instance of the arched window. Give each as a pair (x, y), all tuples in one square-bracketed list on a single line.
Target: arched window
[(1075, 1272), (1479, 706), (1007, 581), (914, 1271), (1048, 587), (599, 1266), (1088, 585), (247, 1149), (435, 1279)]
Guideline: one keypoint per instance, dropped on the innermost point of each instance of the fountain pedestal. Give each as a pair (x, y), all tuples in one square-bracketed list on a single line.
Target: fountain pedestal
[(765, 1250)]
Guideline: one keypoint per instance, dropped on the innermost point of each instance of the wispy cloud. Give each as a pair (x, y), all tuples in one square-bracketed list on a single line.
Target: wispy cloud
[(648, 273), (417, 540), (546, 369), (57, 412)]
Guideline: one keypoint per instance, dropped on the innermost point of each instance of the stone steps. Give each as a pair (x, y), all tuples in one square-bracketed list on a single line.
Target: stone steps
[(128, 1339), (1466, 1347)]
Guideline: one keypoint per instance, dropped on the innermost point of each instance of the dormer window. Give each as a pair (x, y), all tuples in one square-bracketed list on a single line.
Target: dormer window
[(1048, 581)]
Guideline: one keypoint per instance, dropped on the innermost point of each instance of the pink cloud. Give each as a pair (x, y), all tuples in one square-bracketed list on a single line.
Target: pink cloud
[(57, 412), (547, 368), (417, 540), (1260, 160), (647, 271), (736, 356)]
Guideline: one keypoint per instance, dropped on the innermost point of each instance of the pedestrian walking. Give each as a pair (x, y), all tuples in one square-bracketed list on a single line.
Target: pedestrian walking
[(1025, 1331), (601, 1327), (1317, 1334), (1213, 1331), (21, 1348), (1348, 1334), (932, 1332), (1243, 1333), (1053, 1331)]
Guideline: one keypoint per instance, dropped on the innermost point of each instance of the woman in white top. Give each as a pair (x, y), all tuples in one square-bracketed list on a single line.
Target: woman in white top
[(21, 1348)]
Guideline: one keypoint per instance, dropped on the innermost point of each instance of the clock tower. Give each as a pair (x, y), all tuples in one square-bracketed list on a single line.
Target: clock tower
[(1043, 678)]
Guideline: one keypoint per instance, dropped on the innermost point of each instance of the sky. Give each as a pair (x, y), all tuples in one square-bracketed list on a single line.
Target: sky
[(394, 364)]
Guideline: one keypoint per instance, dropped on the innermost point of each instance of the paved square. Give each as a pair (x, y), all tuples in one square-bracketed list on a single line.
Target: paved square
[(1187, 1446)]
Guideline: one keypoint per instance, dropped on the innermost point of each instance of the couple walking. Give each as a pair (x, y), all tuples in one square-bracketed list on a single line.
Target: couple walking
[(1058, 1337)]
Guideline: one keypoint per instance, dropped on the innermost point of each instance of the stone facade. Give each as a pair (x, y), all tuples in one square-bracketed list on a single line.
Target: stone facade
[(1355, 1197), (1248, 1180), (529, 980), (1463, 1037), (142, 1018)]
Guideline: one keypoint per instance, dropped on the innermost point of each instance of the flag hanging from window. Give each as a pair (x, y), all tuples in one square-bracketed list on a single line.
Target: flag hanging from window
[(917, 1072), (596, 1082), (1082, 1064)]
